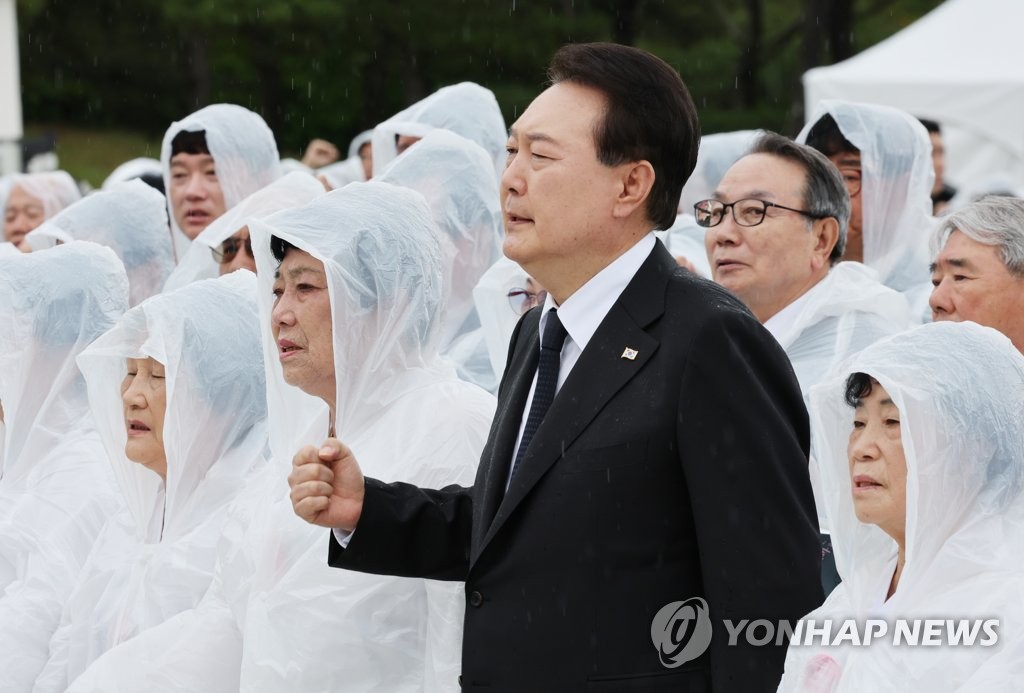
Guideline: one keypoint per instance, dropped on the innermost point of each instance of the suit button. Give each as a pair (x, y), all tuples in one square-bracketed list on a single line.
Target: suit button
[(475, 599)]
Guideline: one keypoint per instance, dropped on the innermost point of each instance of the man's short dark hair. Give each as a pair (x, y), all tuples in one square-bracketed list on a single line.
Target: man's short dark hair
[(930, 125), (650, 115), (186, 142), (824, 192), (827, 138)]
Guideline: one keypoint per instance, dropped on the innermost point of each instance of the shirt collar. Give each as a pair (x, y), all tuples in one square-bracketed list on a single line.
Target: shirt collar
[(583, 312)]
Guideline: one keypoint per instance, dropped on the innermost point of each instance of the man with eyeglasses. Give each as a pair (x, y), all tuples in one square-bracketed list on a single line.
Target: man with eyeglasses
[(776, 228)]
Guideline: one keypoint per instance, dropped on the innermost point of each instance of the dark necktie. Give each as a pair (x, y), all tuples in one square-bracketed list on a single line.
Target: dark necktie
[(547, 381)]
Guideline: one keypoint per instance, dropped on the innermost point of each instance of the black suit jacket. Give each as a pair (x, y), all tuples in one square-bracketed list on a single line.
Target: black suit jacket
[(679, 473)]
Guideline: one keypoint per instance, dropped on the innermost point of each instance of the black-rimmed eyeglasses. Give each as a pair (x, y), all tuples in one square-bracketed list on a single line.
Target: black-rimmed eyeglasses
[(748, 212)]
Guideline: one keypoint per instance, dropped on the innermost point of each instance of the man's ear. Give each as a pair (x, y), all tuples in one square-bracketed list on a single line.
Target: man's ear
[(637, 179), (826, 235)]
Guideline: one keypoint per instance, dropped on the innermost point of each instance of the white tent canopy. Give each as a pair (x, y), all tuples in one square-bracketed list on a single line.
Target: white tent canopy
[(959, 65)]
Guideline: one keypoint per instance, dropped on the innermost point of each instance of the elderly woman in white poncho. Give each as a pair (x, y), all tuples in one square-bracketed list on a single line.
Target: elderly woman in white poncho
[(454, 176), (921, 444), (359, 290), (131, 219), (56, 487), (179, 393)]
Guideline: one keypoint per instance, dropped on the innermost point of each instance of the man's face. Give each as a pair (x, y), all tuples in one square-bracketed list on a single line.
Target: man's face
[(556, 197), (971, 283), (195, 193), (938, 160), (301, 325), (769, 265), (849, 167), (23, 213)]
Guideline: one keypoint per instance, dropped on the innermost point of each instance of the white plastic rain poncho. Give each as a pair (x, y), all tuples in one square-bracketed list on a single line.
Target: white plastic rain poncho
[(959, 389), (132, 169), (454, 176), (467, 109), (54, 189), (291, 190), (896, 183), (156, 559), (244, 154), (276, 617), (131, 219), (839, 316), (56, 488)]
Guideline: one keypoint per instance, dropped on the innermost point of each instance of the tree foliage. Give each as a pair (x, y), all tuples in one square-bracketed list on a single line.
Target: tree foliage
[(331, 68)]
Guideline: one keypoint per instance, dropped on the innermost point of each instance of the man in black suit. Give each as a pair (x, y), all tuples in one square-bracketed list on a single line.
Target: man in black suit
[(670, 466)]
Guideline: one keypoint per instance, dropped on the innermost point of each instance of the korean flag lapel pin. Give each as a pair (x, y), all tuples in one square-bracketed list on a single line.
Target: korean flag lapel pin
[(629, 353)]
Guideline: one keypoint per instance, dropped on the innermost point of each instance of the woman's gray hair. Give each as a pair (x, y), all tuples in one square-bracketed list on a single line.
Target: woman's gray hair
[(993, 220), (825, 193)]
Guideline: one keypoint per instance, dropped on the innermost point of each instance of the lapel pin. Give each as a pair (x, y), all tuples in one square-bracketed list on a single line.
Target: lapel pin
[(629, 354)]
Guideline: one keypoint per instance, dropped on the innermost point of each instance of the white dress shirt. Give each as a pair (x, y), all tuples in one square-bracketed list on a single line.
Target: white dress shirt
[(583, 312)]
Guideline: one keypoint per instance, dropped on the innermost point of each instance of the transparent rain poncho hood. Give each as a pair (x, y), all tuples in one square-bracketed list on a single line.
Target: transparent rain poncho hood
[(406, 416), (54, 189), (292, 190), (131, 219), (467, 109), (52, 305), (243, 149), (157, 558), (350, 169), (897, 175), (959, 388), (454, 176), (56, 489)]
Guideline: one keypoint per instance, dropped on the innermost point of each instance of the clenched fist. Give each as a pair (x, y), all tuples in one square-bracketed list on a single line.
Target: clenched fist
[(327, 486)]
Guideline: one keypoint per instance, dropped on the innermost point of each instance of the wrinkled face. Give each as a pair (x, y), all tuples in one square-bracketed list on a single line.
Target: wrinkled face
[(144, 396), (236, 253), (970, 282), (849, 167), (23, 213), (878, 467), (301, 324), (556, 196), (769, 265), (938, 160), (195, 192)]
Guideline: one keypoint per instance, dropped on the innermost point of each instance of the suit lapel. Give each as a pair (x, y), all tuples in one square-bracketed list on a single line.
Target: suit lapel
[(602, 369), (522, 368)]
